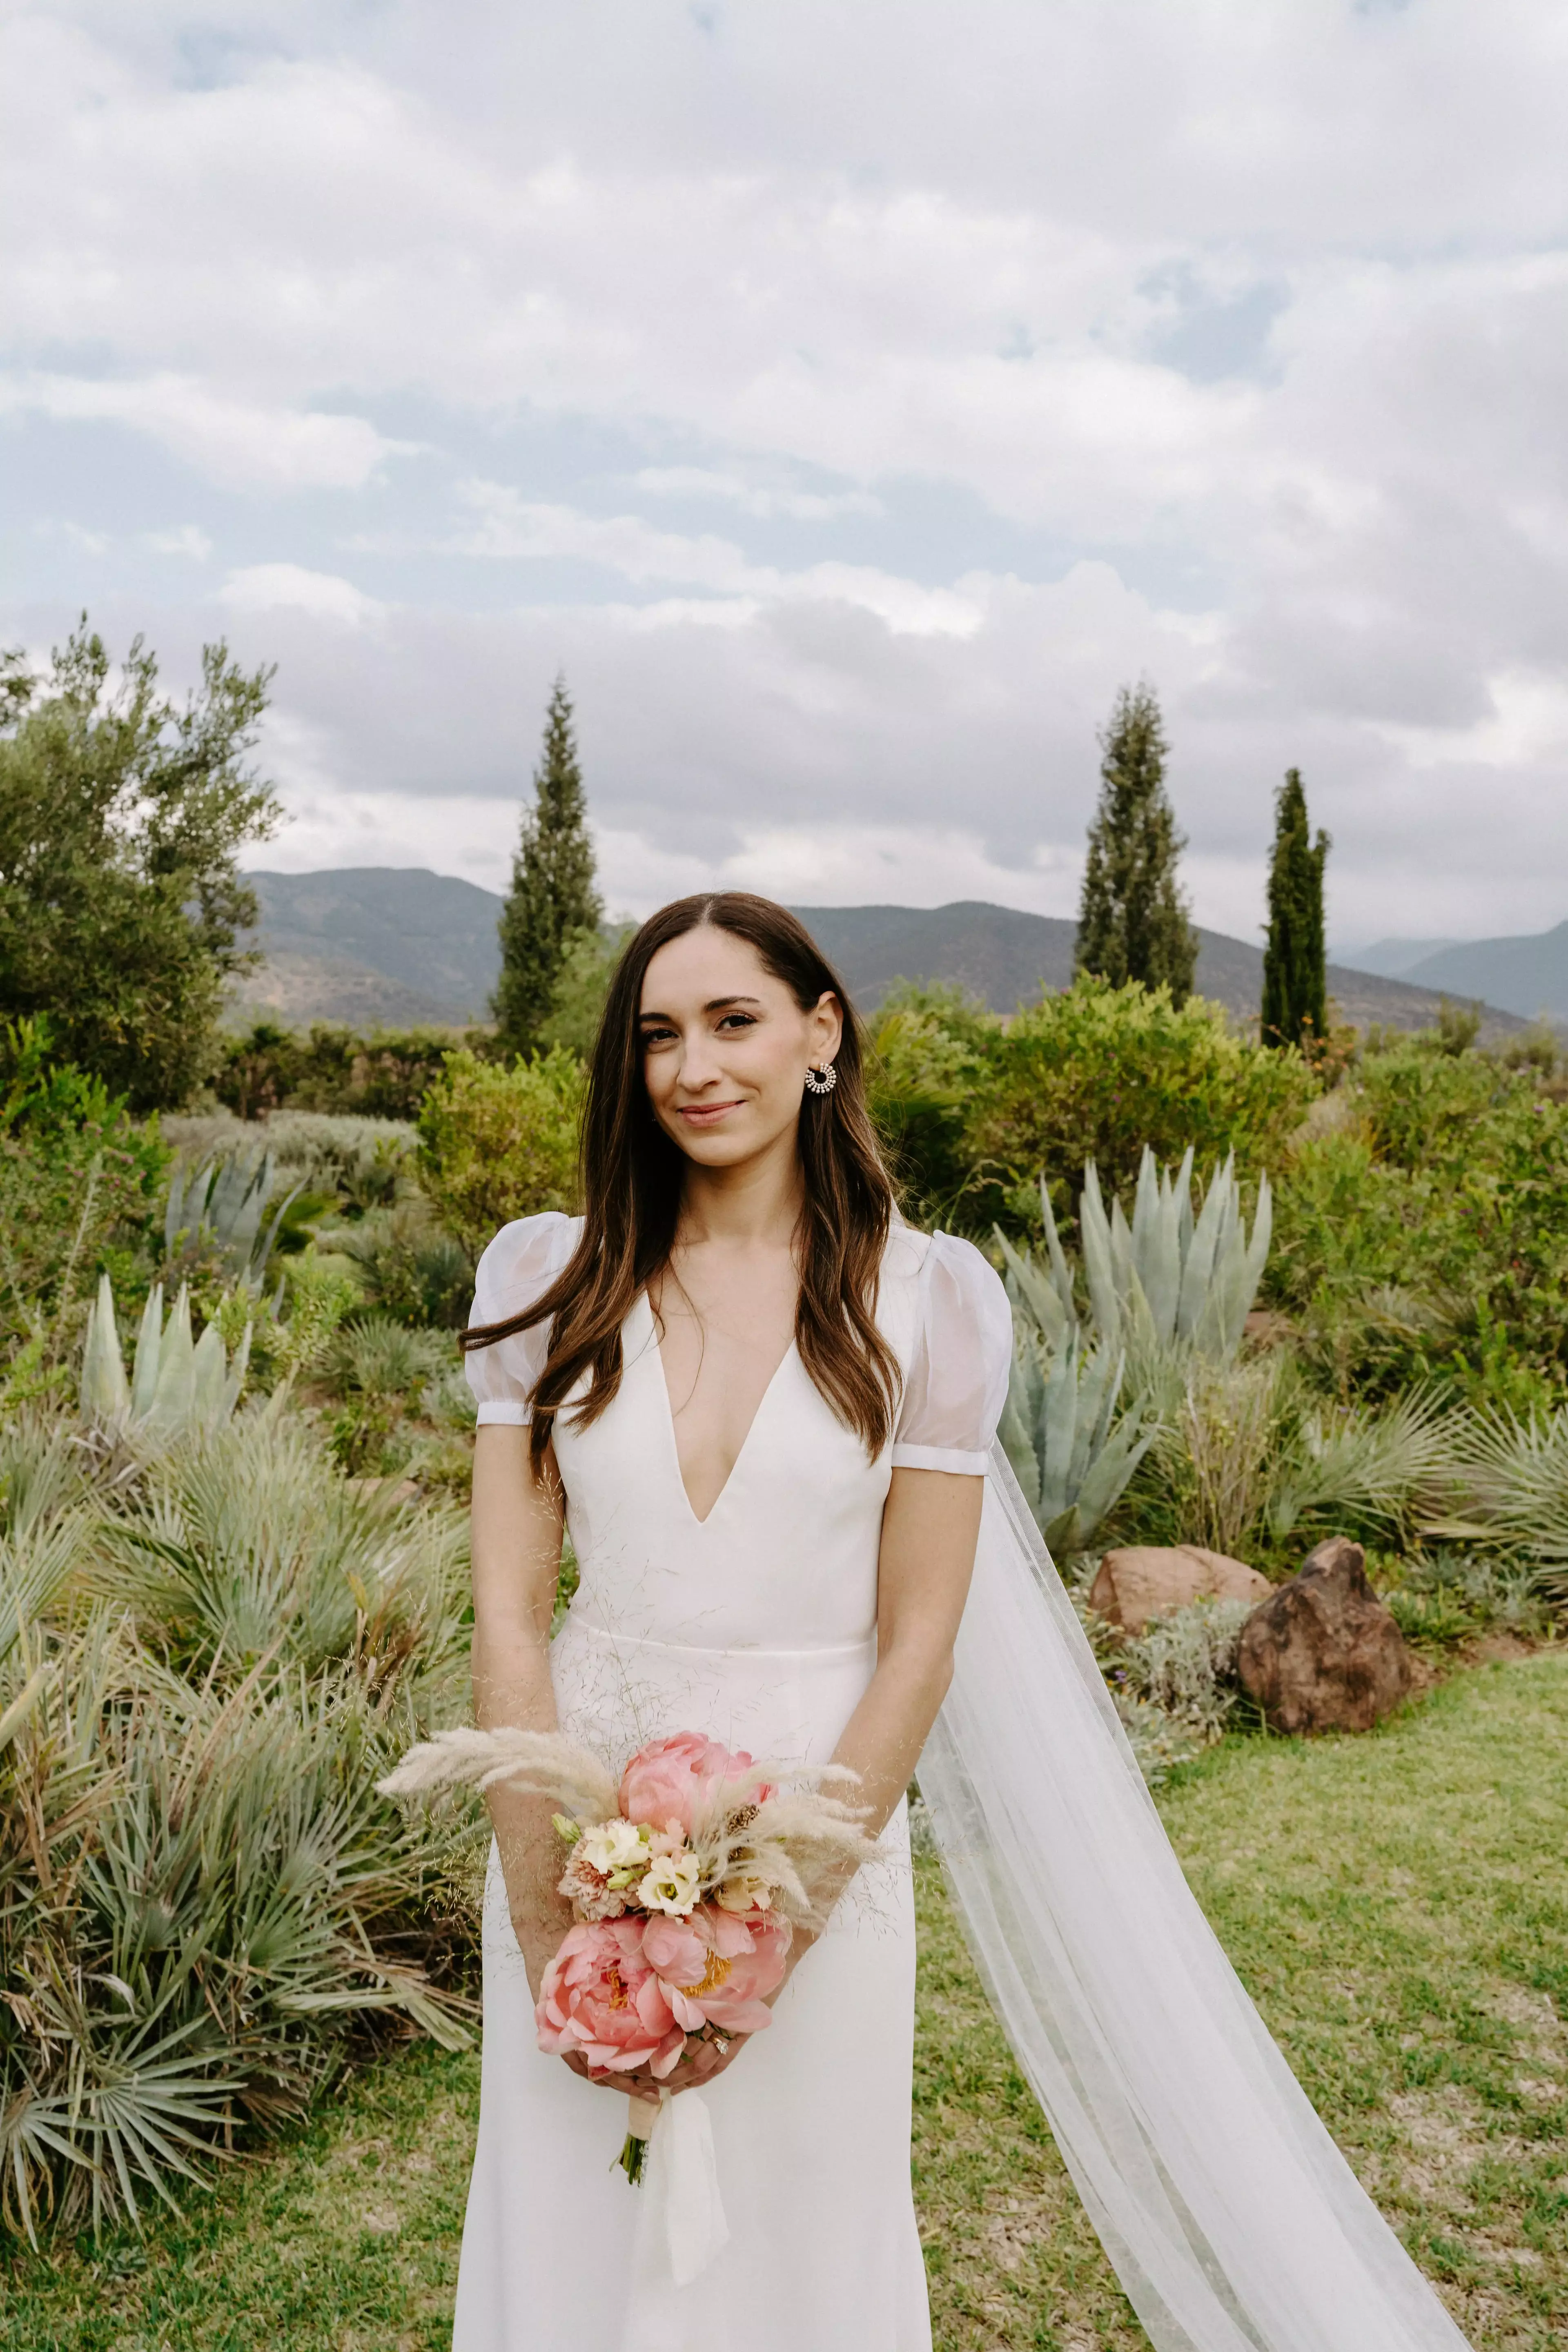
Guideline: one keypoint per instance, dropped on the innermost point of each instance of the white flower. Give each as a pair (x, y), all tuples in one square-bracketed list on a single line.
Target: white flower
[(672, 1886), (613, 1845), (745, 1890)]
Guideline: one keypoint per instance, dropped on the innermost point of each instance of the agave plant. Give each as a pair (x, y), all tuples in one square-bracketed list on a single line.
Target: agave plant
[(1175, 1276), (1071, 1456), (177, 1383), (1171, 1278), (221, 1205), (1043, 1297)]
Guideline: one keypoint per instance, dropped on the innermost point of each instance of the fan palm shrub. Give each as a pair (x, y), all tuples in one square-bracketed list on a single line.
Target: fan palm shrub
[(1250, 1460), (381, 1370), (250, 1547), (1382, 1468), (411, 1267), (1514, 1480), (203, 1900)]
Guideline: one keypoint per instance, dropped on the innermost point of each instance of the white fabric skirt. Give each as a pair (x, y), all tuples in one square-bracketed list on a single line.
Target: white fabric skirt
[(811, 2124)]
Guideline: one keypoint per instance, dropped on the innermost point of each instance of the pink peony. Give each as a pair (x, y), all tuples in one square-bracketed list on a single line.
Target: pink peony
[(601, 1997), (679, 1779), (718, 1968)]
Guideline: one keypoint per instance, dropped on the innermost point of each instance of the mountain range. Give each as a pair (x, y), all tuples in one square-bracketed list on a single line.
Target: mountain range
[(395, 947), (1527, 975)]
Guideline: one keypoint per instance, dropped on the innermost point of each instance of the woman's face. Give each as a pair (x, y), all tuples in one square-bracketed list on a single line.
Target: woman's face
[(725, 1047)]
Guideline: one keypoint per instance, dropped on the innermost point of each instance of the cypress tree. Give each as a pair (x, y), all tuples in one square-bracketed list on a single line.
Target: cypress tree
[(1133, 920), (1295, 1006), (553, 900)]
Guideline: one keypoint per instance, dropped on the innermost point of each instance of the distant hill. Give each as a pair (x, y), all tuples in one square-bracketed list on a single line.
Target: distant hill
[(1394, 959), (1527, 974), (376, 946), (397, 946), (1005, 957)]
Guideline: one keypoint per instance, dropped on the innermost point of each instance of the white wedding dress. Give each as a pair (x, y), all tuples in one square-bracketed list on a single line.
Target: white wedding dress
[(757, 1627), (1234, 2223)]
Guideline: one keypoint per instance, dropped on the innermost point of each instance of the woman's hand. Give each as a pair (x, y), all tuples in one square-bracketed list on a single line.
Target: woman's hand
[(704, 2062)]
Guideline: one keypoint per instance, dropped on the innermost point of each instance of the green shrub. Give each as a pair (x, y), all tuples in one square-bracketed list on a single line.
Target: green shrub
[(581, 987), (411, 1267), (1103, 1074), (1186, 1665), (78, 1178), (497, 1143), (927, 1050), (320, 1290), (1429, 1235), (1444, 1597), (333, 1070)]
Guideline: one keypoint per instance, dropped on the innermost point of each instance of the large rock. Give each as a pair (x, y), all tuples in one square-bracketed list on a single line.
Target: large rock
[(1322, 1653), (1145, 1580)]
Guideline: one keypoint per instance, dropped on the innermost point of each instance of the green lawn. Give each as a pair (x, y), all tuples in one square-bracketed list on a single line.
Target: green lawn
[(1398, 1904)]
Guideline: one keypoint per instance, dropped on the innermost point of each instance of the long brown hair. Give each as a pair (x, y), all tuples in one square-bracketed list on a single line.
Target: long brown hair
[(631, 1181)]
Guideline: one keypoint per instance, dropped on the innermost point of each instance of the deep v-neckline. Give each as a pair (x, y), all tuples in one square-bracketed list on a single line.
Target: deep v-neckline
[(763, 1401)]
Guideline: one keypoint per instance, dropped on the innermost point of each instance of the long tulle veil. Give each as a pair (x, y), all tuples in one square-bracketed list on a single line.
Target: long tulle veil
[(1232, 2219)]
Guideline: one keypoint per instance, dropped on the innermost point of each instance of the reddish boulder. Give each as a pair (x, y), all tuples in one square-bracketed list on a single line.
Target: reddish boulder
[(1322, 1653), (1145, 1580)]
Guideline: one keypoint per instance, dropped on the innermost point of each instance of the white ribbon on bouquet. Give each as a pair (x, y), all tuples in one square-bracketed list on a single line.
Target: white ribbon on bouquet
[(681, 2181)]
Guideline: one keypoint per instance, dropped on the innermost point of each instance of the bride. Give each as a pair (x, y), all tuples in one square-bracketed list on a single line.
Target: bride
[(763, 1409)]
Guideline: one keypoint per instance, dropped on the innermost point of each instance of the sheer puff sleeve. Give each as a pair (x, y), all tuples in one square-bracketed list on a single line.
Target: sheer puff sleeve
[(521, 1262), (955, 1382)]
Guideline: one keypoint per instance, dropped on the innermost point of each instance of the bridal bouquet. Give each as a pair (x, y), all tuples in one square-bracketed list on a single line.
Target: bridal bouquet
[(687, 1879)]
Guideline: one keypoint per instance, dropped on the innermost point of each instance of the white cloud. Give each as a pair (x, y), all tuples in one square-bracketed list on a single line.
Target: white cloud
[(187, 538), (516, 529), (753, 498), (1082, 340), (231, 440), (90, 542), (289, 587)]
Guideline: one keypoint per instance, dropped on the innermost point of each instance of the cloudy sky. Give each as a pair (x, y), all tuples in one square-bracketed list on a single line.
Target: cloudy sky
[(848, 396)]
